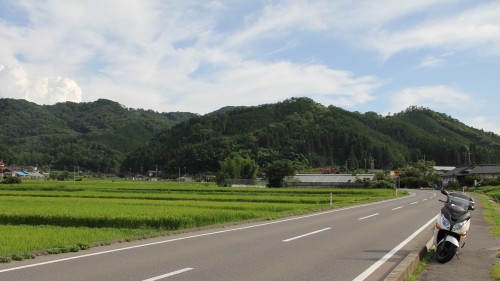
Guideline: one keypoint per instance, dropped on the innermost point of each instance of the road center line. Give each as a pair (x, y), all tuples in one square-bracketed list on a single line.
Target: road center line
[(368, 216), (389, 255), (397, 208), (307, 234), (168, 274), (413, 203)]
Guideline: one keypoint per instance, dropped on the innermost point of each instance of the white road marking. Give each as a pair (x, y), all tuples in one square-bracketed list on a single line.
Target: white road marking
[(397, 208), (169, 274), (307, 234), (200, 235), (424, 199), (389, 255), (369, 216), (413, 203)]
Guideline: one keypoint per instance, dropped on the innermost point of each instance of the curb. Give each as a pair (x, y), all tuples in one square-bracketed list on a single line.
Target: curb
[(406, 267)]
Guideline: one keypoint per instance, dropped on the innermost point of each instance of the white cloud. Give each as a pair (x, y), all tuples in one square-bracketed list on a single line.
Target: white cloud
[(16, 83), (253, 83), (174, 55), (488, 124), (477, 28), (431, 62), (441, 98), (278, 19)]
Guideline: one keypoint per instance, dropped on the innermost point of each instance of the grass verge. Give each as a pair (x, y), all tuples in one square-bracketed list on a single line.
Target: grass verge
[(421, 266), (491, 215)]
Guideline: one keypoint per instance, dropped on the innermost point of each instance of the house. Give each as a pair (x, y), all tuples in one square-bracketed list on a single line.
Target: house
[(456, 175), (459, 174), (327, 180), (486, 171), (22, 172)]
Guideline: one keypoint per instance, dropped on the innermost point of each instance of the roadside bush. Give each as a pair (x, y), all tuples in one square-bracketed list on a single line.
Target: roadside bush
[(413, 182), (452, 185), (23, 256), (491, 182), (11, 180), (382, 184)]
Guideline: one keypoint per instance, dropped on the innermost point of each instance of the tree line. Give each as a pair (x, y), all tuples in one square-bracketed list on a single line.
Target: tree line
[(298, 133), (308, 134)]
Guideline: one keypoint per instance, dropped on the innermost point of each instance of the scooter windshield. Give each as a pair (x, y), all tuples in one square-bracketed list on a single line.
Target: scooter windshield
[(463, 201)]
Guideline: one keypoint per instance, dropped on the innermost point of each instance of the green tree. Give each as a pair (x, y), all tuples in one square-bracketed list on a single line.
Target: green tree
[(238, 167), (278, 170), (420, 174)]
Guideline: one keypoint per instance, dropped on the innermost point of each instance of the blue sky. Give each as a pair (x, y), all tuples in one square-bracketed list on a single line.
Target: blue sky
[(199, 56)]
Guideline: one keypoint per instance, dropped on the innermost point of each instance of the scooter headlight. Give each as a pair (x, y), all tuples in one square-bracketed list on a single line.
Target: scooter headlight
[(445, 222), (457, 227)]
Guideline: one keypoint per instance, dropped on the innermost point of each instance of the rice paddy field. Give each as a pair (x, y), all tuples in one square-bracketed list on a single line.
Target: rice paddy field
[(40, 217)]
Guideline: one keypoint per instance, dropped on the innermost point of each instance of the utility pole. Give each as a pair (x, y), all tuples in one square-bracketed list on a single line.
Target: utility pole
[(2, 165)]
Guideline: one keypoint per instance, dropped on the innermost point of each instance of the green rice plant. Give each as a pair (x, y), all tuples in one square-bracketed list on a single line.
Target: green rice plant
[(78, 215), (25, 238)]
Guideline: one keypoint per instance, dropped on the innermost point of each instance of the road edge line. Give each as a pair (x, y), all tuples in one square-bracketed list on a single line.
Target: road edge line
[(407, 266)]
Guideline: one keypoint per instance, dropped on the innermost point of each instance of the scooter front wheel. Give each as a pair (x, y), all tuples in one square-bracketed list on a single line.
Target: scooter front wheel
[(445, 251)]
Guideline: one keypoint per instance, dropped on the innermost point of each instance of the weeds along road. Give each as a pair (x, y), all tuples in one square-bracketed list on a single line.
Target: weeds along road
[(356, 243)]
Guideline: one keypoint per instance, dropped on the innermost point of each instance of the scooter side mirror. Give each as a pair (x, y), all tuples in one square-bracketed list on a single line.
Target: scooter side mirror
[(444, 192), (472, 205)]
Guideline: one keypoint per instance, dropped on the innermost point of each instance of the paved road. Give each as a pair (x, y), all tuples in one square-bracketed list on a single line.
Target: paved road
[(475, 259), (356, 243)]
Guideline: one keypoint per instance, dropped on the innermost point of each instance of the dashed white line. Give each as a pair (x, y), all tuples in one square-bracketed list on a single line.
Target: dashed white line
[(413, 203), (397, 208), (169, 274), (307, 234), (425, 199), (369, 216)]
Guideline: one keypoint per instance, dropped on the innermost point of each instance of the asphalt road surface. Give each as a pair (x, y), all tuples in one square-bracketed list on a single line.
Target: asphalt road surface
[(355, 243)]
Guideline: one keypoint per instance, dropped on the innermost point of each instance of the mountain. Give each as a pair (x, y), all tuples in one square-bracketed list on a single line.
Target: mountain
[(306, 132), (104, 136), (95, 136)]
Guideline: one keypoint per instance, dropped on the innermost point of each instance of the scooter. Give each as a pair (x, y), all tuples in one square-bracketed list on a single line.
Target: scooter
[(452, 225)]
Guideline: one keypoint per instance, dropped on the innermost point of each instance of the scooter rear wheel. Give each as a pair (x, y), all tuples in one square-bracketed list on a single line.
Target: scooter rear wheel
[(445, 251)]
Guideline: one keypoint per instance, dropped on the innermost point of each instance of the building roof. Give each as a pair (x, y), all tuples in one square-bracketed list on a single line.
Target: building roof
[(486, 169), (21, 173), (457, 171), (35, 175), (331, 178), (444, 168)]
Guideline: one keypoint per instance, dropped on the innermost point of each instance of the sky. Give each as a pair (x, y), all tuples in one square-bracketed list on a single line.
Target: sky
[(200, 55)]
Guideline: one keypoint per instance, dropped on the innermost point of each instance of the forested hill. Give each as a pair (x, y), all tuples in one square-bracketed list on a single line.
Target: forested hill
[(104, 136), (306, 132), (94, 136)]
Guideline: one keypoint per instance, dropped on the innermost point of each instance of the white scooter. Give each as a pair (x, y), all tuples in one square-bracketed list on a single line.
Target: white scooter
[(452, 225)]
